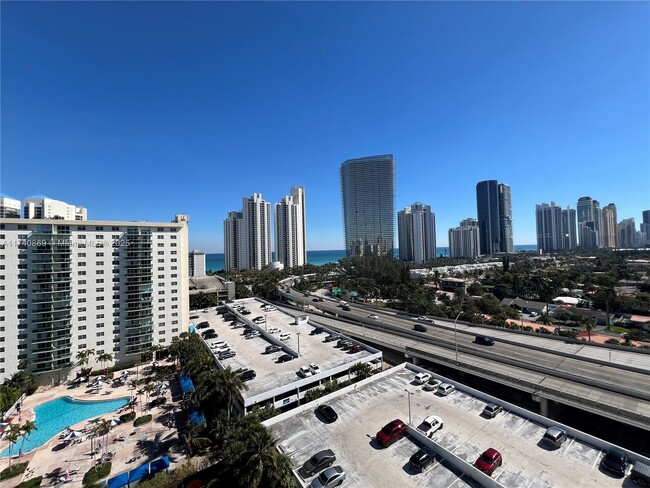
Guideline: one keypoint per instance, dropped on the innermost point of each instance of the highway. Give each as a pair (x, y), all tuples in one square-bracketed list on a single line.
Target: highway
[(566, 372)]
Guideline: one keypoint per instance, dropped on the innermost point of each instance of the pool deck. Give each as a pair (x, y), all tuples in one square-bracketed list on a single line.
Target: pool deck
[(51, 460)]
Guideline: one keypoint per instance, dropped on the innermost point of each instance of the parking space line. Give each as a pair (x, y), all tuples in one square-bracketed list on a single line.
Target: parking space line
[(521, 426), (600, 454), (456, 480)]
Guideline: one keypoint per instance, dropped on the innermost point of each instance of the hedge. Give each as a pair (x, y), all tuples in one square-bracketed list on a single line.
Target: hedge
[(142, 420), (33, 483), (12, 471), (127, 417), (97, 473)]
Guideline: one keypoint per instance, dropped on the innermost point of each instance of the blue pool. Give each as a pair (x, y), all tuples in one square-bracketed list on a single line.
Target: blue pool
[(54, 416)]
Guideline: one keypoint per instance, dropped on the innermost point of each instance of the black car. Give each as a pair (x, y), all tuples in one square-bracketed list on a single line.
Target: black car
[(420, 460), (248, 374), (327, 412), (284, 358), (484, 340), (331, 338), (209, 332), (203, 325), (318, 462), (615, 462), (316, 330), (272, 348), (226, 355), (419, 328)]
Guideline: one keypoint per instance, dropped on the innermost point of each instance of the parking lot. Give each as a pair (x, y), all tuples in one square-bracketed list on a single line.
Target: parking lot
[(526, 462), (250, 353)]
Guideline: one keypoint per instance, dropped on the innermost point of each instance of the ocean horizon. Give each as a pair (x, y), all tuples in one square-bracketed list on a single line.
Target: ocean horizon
[(214, 261)]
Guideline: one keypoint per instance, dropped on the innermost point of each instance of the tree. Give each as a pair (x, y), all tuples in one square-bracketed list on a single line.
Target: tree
[(15, 431), (83, 358), (361, 370), (104, 428), (255, 460), (27, 428), (104, 358), (148, 389), (230, 384)]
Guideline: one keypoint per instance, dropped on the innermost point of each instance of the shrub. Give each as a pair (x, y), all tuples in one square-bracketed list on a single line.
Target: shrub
[(12, 471), (33, 483), (127, 417), (142, 420), (159, 401), (97, 473)]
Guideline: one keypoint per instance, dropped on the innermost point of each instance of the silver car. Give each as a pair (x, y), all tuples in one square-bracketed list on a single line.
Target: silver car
[(333, 476)]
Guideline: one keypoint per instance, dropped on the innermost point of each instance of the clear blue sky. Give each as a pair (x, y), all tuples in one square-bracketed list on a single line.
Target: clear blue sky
[(142, 110)]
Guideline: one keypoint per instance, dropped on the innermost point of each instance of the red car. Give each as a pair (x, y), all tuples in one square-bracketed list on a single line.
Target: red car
[(391, 432), (489, 461)]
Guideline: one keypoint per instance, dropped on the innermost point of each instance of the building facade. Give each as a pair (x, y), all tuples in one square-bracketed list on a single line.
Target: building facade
[(627, 233), (590, 223), (290, 229), (233, 228), (550, 235), (494, 210), (645, 227), (196, 264), (69, 286), (416, 228), (569, 228), (247, 235), (368, 198), (9, 207), (42, 207), (464, 240), (609, 227)]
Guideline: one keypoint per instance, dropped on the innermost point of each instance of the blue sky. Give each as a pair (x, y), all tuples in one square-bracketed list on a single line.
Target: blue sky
[(139, 111)]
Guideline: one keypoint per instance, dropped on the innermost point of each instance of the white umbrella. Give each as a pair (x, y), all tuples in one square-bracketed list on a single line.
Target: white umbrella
[(115, 422), (72, 435)]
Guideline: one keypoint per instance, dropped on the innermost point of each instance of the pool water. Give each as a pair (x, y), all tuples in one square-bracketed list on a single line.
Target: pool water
[(54, 416)]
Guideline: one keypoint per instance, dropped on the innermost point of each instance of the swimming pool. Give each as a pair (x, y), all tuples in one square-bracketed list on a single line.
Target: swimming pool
[(54, 416)]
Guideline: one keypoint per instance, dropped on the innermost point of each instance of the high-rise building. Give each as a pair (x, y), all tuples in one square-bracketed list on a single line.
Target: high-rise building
[(588, 235), (416, 228), (368, 197), (590, 215), (569, 228), (627, 233), (247, 235), (290, 238), (550, 235), (645, 227), (42, 207), (464, 240), (585, 210), (9, 207), (197, 264), (233, 229), (494, 210), (597, 214), (70, 286), (609, 227)]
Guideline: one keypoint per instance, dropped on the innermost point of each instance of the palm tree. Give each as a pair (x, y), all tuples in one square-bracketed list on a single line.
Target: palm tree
[(27, 428), (105, 358), (230, 384), (589, 325), (15, 431), (105, 427), (83, 357), (148, 389)]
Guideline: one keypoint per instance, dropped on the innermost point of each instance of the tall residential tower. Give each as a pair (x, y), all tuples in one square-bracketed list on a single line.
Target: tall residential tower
[(464, 241), (416, 226), (247, 235), (494, 210), (368, 197), (290, 234)]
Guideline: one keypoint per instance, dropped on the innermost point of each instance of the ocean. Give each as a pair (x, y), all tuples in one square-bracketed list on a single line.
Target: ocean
[(214, 262)]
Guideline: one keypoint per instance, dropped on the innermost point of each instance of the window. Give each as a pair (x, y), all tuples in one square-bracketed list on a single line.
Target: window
[(81, 282), (81, 337), (81, 273), (81, 309), (100, 280), (100, 255), (99, 290), (82, 327), (82, 254), (81, 263), (100, 236)]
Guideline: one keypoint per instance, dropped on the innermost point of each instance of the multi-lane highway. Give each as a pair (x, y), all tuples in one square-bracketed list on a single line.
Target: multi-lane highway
[(601, 380)]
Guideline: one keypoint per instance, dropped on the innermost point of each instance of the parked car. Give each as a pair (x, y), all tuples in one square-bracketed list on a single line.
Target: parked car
[(218, 344), (640, 473), (259, 320), (615, 461), (316, 331), (274, 330), (356, 348), (432, 384), (329, 478), (346, 345), (331, 338), (252, 333), (484, 340), (327, 413), (319, 461), (247, 374), (391, 432), (430, 425), (489, 461), (205, 310), (421, 378), (304, 372), (314, 368), (284, 358), (554, 437), (421, 460), (423, 319), (491, 410), (284, 336), (203, 325), (226, 355), (209, 332), (445, 389), (314, 299), (272, 348), (419, 328), (192, 317), (245, 311), (373, 316)]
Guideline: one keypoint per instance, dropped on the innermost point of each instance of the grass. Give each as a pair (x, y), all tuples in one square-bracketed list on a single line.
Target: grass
[(33, 483), (13, 471), (618, 329), (127, 417), (142, 420), (97, 473)]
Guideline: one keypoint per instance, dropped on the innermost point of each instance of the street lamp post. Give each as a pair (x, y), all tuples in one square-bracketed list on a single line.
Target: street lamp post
[(298, 334), (409, 394), (456, 335), (265, 327)]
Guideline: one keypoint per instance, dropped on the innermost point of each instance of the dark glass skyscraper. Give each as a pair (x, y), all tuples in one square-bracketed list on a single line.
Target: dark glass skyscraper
[(368, 196), (494, 211)]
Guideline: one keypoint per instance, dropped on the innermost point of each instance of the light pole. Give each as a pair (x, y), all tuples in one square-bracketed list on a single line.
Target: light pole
[(265, 328), (298, 334), (409, 394), (456, 334)]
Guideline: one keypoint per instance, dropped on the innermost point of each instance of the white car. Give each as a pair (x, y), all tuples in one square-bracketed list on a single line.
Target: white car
[(314, 368), (424, 319), (445, 389), (221, 349), (274, 330), (304, 371), (218, 344), (421, 378), (430, 425), (285, 336), (373, 316), (432, 384), (250, 335)]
